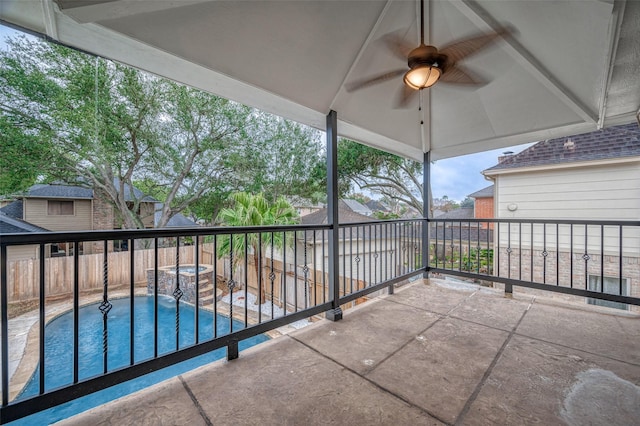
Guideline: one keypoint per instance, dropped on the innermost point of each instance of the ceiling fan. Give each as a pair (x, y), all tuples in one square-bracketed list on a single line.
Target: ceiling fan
[(428, 65)]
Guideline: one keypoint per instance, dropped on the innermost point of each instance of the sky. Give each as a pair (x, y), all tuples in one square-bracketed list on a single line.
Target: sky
[(460, 176), (454, 177)]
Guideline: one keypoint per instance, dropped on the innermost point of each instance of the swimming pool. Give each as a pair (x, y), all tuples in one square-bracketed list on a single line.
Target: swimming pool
[(59, 349)]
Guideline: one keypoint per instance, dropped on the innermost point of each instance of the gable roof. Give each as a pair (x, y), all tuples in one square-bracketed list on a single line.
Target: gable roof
[(345, 215), (376, 206), (355, 206), (178, 220), (11, 225), (58, 190), (63, 190), (457, 214), (14, 209), (483, 193), (613, 142)]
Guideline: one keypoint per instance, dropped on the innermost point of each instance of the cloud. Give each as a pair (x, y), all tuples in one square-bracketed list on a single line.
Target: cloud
[(460, 176)]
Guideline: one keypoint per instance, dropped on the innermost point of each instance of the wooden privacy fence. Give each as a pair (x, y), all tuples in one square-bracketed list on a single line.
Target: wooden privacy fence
[(23, 276)]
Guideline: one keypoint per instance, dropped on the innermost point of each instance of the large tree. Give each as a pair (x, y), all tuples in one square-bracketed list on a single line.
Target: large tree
[(255, 210), (98, 123), (395, 178)]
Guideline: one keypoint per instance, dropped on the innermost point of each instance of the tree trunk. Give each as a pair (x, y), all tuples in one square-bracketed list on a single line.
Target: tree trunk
[(256, 264)]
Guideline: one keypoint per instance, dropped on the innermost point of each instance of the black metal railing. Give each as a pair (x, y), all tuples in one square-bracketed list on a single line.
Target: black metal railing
[(254, 279), (598, 260), (374, 255)]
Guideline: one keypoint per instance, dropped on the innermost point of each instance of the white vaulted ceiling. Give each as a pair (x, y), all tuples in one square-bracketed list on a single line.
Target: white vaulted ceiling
[(571, 66)]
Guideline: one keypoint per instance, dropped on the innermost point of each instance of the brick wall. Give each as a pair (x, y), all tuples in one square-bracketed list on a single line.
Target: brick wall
[(483, 209), (568, 270), (103, 218)]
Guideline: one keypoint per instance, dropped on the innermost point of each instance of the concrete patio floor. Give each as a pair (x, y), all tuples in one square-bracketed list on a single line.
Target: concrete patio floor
[(429, 354)]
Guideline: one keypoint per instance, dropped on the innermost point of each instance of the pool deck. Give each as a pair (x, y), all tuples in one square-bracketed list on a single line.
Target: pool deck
[(430, 354)]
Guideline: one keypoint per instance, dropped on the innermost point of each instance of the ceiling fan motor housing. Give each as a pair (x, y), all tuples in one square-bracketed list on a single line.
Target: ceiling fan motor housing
[(426, 55)]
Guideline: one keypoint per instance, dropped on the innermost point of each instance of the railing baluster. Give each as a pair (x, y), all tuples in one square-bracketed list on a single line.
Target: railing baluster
[(601, 258), (5, 325), (620, 254), (132, 290), (215, 286), (259, 278), (305, 269), (76, 312), (155, 297), (177, 293), (246, 280), (295, 273), (197, 295), (315, 270), (531, 255), (350, 257), (41, 316), (272, 275), (557, 255), (571, 257), (283, 281), (105, 307), (231, 285), (586, 256), (520, 250), (509, 251)]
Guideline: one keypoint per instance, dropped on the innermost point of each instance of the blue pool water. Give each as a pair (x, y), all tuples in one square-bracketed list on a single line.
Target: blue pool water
[(59, 349)]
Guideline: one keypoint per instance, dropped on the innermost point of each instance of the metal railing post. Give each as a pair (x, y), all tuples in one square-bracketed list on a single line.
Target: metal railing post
[(426, 212), (335, 313)]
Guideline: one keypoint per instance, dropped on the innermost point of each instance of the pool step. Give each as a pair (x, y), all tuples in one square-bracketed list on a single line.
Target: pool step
[(206, 289), (208, 300)]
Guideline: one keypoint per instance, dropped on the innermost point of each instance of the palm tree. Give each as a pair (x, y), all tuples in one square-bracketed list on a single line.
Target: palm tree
[(255, 210)]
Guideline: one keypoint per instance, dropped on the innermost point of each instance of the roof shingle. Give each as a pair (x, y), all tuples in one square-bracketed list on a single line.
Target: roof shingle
[(613, 142)]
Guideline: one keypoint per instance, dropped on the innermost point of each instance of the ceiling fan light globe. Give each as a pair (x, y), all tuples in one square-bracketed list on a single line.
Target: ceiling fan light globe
[(422, 76)]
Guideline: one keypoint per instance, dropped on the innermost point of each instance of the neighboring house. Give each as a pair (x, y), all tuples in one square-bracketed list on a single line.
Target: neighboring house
[(11, 225), (355, 206), (457, 215), (483, 205), (377, 206), (178, 220), (592, 176), (60, 207), (369, 251), (304, 206)]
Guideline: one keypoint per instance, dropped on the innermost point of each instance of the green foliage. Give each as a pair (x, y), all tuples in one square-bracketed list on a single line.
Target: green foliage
[(68, 116), (479, 261), (386, 215), (395, 178), (467, 203), (255, 210)]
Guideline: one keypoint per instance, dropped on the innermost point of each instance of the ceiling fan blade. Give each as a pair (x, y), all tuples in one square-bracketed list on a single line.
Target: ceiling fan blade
[(405, 96), (361, 84), (397, 45), (460, 49), (458, 74)]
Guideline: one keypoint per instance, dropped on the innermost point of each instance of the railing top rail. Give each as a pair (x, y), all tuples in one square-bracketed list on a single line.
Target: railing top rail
[(381, 221), (125, 234), (551, 221)]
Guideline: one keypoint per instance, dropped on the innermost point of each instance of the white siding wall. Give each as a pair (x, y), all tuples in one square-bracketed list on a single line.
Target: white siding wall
[(608, 192), (35, 211), (605, 192)]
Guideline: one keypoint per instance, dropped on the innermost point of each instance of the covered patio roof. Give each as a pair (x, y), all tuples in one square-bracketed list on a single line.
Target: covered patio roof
[(570, 66)]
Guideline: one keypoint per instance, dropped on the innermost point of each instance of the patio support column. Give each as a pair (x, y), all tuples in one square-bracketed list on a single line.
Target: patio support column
[(335, 313), (426, 211)]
